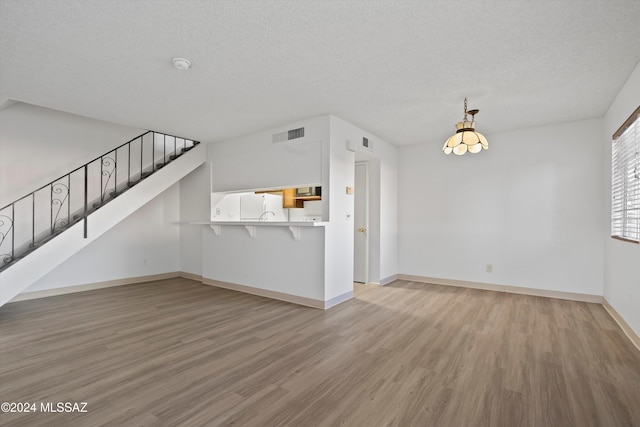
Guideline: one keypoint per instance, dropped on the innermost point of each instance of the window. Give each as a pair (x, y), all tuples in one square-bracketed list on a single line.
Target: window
[(625, 180)]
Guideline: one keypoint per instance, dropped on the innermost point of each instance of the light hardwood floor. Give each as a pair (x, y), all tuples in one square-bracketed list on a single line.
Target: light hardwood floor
[(176, 352)]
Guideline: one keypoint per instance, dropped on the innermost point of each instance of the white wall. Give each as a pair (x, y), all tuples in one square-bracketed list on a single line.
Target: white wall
[(621, 259), (272, 261), (194, 206), (149, 234), (382, 161), (38, 145), (531, 206), (145, 243), (388, 211), (338, 250), (255, 162), (320, 265)]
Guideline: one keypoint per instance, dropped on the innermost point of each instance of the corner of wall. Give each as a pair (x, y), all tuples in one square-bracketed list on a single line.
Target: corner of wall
[(620, 270)]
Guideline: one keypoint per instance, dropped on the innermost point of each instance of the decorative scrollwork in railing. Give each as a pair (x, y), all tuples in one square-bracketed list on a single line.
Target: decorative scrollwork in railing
[(6, 258), (110, 164), (61, 192), (60, 224), (5, 227), (6, 224)]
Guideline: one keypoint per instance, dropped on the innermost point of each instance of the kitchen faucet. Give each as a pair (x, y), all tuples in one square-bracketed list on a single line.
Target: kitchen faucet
[(262, 216)]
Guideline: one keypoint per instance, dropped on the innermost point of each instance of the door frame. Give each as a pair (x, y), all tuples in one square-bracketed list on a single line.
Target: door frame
[(366, 219)]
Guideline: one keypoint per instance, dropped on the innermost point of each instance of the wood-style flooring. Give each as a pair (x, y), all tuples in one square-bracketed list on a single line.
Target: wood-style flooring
[(179, 353)]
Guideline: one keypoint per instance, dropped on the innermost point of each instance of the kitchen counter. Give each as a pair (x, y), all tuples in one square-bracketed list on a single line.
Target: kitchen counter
[(294, 226), (265, 223)]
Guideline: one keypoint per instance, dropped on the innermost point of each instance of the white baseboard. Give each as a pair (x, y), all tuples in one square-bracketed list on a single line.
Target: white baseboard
[(196, 277), (384, 281), (633, 337), (388, 280), (92, 286), (309, 302), (281, 296), (572, 296), (338, 300)]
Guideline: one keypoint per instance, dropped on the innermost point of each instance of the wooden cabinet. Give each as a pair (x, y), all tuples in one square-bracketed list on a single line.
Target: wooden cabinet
[(289, 199)]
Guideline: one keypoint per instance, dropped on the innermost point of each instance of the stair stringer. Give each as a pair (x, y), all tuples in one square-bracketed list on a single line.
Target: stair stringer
[(19, 276)]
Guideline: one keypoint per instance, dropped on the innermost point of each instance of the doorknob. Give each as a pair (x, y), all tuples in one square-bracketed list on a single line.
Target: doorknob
[(361, 229)]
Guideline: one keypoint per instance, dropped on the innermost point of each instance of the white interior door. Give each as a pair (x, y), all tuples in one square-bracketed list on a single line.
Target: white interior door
[(360, 223)]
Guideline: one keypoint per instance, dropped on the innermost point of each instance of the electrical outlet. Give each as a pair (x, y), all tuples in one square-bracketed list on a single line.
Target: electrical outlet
[(489, 268)]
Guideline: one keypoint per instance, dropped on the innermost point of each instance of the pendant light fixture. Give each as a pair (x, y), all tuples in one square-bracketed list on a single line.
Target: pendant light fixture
[(466, 138)]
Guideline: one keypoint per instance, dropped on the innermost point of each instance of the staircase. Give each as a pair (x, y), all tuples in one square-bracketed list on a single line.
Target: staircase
[(50, 224)]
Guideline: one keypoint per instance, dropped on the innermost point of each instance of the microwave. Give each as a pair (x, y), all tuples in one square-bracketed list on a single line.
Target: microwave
[(308, 191)]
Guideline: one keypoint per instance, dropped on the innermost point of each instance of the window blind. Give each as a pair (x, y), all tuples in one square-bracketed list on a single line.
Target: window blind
[(625, 180)]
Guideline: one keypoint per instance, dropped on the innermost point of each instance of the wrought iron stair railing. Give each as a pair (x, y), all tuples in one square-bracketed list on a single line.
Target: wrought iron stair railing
[(38, 217)]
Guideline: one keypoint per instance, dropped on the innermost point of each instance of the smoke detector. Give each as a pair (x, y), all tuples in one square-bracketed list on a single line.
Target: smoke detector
[(181, 63)]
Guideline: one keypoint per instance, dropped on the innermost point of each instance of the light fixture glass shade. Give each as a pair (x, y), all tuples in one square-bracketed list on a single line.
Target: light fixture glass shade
[(460, 149), (483, 141), (470, 138), (475, 148), (466, 138)]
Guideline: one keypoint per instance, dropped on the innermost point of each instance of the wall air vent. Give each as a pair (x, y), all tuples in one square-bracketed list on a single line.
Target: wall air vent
[(295, 133), (288, 135)]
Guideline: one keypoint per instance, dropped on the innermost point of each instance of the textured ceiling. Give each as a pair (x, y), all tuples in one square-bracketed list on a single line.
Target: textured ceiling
[(399, 69)]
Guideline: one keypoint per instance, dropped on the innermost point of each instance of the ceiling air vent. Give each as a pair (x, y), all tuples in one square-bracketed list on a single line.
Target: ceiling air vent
[(288, 135)]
